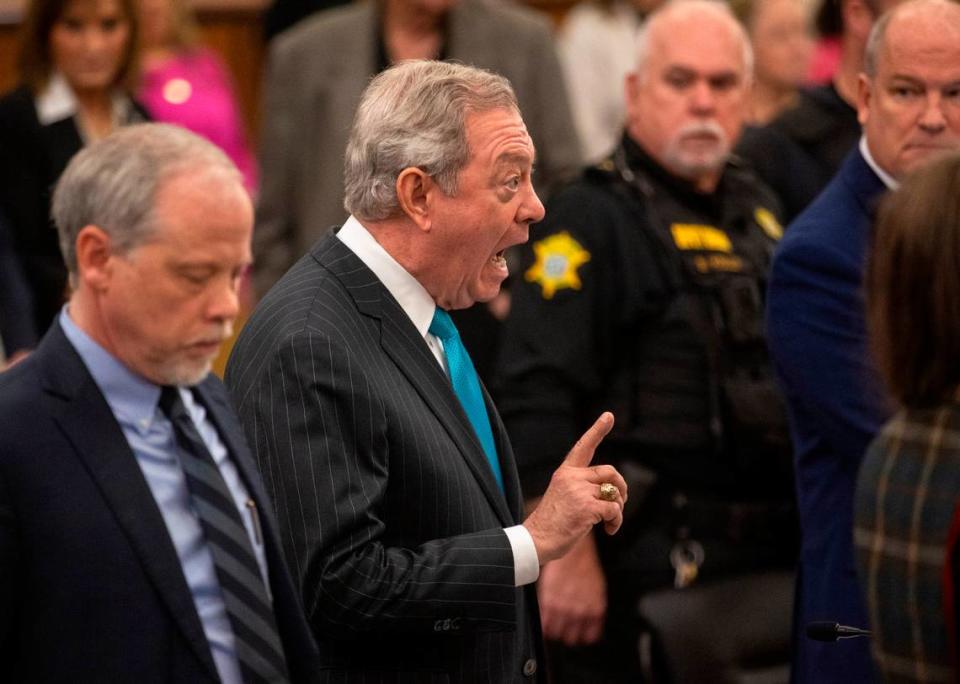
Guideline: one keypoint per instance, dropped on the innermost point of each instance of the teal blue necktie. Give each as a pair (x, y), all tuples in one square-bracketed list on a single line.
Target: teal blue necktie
[(466, 386)]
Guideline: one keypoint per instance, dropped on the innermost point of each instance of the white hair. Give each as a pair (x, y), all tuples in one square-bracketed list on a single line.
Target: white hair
[(718, 8), (414, 115)]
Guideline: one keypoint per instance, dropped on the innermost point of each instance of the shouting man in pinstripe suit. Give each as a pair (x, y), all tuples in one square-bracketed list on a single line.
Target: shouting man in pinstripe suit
[(391, 471)]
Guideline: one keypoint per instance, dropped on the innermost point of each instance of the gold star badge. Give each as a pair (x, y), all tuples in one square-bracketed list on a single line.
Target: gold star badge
[(557, 259)]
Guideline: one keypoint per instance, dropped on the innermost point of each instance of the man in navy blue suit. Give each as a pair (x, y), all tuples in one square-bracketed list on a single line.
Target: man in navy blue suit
[(909, 107), (136, 540)]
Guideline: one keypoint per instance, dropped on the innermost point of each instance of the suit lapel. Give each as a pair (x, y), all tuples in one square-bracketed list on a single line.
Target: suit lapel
[(402, 342), (84, 416), (231, 434), (863, 182)]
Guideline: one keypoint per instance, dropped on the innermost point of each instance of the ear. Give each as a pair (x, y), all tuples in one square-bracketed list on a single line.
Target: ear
[(864, 98), (415, 193), (94, 257)]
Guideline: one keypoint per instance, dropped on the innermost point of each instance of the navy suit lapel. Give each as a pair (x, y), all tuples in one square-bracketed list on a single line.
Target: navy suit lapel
[(863, 182), (82, 413), (222, 415), (231, 434), (408, 350), (867, 188)]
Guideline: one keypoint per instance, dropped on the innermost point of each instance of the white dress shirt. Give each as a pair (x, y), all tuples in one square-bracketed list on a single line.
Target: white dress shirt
[(888, 180)]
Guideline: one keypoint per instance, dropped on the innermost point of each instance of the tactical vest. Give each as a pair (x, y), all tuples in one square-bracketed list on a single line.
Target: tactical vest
[(690, 380)]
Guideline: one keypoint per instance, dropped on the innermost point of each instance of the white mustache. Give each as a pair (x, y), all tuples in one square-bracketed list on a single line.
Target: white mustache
[(703, 128)]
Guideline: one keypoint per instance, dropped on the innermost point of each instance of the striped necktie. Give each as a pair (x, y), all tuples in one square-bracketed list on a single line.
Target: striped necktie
[(466, 385), (245, 597)]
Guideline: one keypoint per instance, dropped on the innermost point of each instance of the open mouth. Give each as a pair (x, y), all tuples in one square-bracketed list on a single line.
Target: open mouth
[(498, 260)]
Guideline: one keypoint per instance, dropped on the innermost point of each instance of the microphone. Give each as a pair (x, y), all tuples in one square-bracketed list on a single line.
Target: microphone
[(833, 631)]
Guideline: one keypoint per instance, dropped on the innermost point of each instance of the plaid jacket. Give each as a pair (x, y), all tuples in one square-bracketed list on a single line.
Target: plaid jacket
[(905, 510)]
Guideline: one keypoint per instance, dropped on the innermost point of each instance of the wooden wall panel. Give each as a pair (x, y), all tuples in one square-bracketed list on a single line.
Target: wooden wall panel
[(8, 56), (238, 38)]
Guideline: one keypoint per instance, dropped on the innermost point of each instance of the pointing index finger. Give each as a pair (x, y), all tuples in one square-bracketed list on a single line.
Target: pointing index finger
[(582, 452)]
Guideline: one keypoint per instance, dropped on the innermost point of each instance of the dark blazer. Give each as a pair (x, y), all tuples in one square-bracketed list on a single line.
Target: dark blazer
[(817, 336), (32, 157), (905, 535), (389, 512), (317, 73), (91, 588)]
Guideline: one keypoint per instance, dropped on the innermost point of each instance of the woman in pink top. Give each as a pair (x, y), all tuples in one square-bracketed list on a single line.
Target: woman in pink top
[(187, 84)]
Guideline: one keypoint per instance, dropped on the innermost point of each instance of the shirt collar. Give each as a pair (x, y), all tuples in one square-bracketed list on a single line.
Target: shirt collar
[(888, 180), (412, 297), (132, 398), (57, 102)]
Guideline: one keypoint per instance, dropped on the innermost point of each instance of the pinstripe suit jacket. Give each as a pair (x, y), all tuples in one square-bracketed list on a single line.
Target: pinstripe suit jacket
[(390, 515)]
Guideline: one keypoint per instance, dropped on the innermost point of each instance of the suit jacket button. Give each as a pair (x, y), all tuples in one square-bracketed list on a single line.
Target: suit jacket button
[(530, 667)]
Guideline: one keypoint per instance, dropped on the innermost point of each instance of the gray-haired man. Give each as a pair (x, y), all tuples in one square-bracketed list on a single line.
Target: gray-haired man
[(136, 542), (394, 479)]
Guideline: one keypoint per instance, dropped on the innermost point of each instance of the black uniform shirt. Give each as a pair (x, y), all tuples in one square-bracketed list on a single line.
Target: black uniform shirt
[(593, 281)]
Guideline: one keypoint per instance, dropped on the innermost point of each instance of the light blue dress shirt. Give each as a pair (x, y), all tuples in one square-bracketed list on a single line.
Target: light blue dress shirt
[(134, 402)]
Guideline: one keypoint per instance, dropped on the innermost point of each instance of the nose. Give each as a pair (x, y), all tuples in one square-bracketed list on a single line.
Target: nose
[(531, 211), (93, 39), (932, 119), (224, 304), (702, 99)]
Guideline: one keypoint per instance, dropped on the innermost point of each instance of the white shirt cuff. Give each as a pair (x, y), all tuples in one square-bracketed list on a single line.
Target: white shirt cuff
[(526, 563)]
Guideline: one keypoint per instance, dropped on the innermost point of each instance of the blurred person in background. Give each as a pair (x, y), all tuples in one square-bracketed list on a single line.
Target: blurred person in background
[(282, 14), (909, 484), (909, 107), (643, 291), (782, 41), (185, 83), (798, 152), (77, 69), (596, 51), (827, 50)]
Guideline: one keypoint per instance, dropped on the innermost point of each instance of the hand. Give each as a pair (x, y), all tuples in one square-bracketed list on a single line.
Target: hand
[(573, 596), (571, 506)]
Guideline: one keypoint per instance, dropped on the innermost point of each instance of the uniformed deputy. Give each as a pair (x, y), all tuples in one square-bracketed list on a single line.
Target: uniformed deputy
[(642, 293)]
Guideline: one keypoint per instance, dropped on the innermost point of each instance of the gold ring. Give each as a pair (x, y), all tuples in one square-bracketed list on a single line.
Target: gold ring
[(608, 492)]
